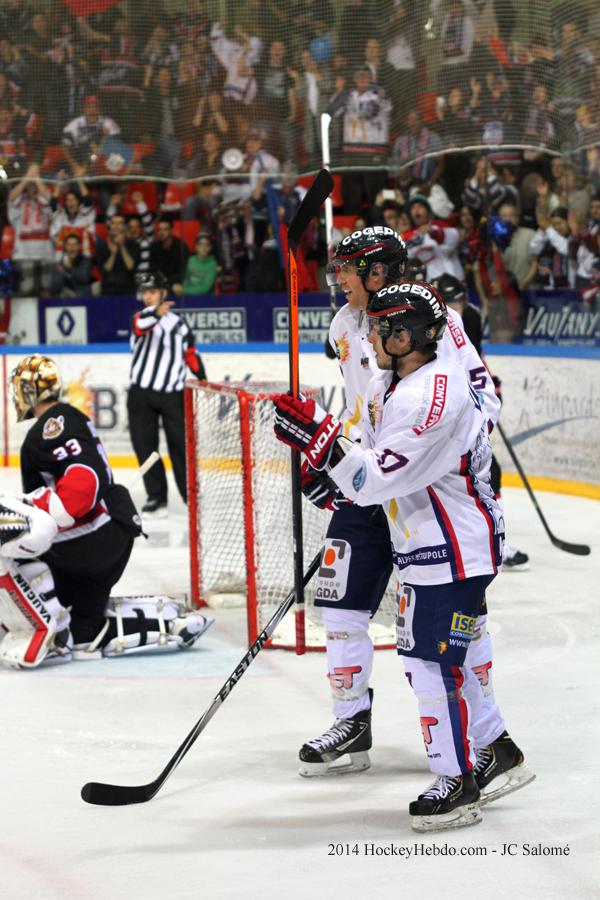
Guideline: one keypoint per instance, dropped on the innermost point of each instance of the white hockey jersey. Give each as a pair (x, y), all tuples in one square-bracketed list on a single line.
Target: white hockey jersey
[(425, 456), (457, 346), (348, 338)]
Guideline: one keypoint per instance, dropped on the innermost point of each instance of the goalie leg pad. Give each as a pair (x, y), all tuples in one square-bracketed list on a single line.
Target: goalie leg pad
[(349, 659), (138, 624), (37, 624)]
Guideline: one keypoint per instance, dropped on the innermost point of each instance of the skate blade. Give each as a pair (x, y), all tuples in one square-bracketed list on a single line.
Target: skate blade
[(512, 780), (461, 817), (357, 762)]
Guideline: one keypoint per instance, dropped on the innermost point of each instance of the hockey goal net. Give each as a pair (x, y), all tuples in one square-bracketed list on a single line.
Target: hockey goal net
[(239, 505)]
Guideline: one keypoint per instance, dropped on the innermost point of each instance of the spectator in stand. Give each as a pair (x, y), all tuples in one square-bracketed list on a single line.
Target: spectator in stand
[(518, 257), (405, 20), (573, 62), (117, 259), (83, 136), (203, 204), (72, 275), (118, 78), (366, 138), (160, 51), (379, 68), (162, 116), (414, 168), (237, 57), (209, 117), (455, 24), (486, 190), (201, 268), (312, 19), (277, 100), (539, 128), (207, 160), (14, 150), (75, 216), (169, 255), (29, 213), (431, 240), (550, 245), (12, 63), (314, 88), (496, 108)]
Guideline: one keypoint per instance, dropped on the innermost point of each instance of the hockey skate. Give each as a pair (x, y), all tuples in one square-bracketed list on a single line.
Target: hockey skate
[(500, 769), (514, 560), (155, 509), (450, 802), (347, 740)]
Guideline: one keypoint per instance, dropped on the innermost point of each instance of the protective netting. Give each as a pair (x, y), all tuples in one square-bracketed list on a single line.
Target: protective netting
[(227, 515), (202, 88)]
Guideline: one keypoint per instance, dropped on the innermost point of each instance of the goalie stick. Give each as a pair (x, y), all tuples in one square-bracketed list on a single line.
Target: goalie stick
[(101, 794), (308, 209), (577, 549)]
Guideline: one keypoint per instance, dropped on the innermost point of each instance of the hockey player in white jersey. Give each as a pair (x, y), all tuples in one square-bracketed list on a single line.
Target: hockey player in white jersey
[(357, 537), (425, 455)]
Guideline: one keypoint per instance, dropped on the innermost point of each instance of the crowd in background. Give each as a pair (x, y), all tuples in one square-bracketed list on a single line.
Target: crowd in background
[(89, 105)]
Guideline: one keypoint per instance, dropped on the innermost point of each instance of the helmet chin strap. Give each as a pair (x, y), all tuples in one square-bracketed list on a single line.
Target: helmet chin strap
[(396, 356)]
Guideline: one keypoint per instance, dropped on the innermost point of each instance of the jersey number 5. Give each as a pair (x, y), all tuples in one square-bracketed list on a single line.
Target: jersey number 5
[(72, 447)]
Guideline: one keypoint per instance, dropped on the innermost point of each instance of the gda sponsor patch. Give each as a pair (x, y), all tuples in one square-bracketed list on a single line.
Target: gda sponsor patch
[(332, 580), (405, 639)]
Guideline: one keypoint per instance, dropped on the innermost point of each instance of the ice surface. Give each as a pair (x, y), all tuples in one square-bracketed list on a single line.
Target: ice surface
[(236, 820)]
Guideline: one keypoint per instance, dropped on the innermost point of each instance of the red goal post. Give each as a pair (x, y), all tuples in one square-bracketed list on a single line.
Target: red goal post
[(239, 507)]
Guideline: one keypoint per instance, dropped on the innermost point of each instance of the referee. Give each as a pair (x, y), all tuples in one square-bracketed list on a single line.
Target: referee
[(162, 346)]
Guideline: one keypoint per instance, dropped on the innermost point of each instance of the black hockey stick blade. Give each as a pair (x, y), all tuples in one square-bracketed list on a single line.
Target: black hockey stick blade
[(314, 198), (567, 546), (99, 794)]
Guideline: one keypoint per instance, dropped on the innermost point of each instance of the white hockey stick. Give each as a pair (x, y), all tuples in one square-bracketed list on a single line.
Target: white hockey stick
[(145, 467), (326, 162)]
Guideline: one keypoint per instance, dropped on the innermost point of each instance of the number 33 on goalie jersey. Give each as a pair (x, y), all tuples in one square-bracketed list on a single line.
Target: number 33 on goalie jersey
[(63, 452), (425, 455)]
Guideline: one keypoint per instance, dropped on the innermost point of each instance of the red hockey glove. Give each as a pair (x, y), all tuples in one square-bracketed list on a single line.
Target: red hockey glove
[(320, 489), (306, 427)]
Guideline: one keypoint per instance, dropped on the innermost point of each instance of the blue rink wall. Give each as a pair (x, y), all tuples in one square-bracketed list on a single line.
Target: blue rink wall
[(551, 400)]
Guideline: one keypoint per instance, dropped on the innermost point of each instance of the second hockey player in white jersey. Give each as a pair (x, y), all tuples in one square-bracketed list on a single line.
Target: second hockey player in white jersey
[(425, 454)]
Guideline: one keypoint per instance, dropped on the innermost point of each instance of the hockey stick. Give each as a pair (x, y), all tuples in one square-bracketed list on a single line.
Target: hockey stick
[(145, 467), (101, 794), (326, 160), (577, 549), (308, 209)]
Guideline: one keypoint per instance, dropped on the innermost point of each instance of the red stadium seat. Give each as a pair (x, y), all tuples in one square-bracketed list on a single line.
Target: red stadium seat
[(141, 150), (344, 221), (147, 189), (54, 158), (187, 231), (176, 194), (8, 242), (101, 230)]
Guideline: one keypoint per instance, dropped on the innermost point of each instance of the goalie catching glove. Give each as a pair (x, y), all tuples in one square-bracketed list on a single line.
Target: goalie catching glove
[(305, 426)]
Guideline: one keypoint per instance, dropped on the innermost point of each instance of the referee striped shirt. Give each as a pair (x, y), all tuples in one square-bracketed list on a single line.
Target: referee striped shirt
[(161, 347)]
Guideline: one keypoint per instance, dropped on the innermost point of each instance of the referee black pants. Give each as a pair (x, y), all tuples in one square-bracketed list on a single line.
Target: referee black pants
[(145, 409)]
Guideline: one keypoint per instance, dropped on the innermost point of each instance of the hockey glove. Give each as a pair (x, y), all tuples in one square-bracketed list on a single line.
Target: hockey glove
[(306, 427), (193, 361), (320, 489)]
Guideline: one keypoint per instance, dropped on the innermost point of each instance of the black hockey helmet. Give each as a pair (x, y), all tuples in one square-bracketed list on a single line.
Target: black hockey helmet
[(377, 244), (451, 288), (412, 306), (415, 269), (150, 281)]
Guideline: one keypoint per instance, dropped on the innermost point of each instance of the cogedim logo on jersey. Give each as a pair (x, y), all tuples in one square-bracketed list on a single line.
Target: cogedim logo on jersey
[(216, 326), (313, 324)]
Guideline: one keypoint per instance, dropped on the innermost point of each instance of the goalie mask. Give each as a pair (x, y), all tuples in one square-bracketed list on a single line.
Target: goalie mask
[(35, 379), (412, 306), (377, 250)]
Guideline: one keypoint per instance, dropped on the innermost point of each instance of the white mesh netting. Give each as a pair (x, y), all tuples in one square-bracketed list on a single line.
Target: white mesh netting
[(228, 517)]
